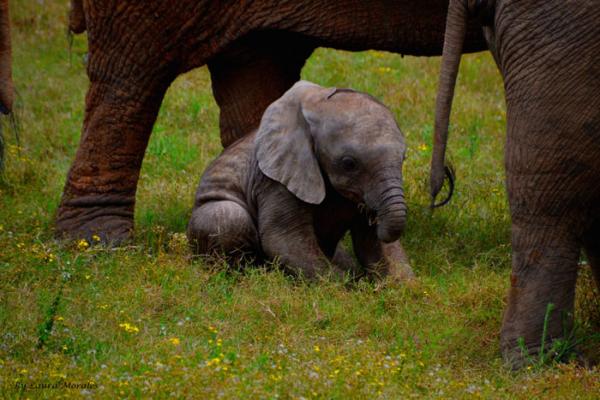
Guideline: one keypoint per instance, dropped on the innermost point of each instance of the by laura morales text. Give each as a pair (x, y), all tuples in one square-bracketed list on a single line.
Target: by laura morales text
[(61, 384)]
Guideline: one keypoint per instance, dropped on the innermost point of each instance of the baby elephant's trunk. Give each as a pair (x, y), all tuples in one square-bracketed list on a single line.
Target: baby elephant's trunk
[(391, 212)]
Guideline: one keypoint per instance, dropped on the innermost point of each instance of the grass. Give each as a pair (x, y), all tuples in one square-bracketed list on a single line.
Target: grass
[(144, 320)]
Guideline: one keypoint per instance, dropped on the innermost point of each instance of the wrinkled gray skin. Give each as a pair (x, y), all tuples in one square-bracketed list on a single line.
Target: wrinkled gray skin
[(548, 53), (322, 162)]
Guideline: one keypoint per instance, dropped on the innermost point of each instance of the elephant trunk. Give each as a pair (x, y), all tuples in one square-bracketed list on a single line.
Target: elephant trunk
[(456, 26), (391, 210), (6, 82)]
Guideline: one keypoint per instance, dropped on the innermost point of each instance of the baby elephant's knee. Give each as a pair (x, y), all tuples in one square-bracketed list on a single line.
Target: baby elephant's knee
[(222, 226)]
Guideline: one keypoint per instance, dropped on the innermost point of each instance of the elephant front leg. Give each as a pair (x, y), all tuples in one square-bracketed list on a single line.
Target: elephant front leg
[(380, 259), (287, 235), (541, 296), (99, 194), (343, 259)]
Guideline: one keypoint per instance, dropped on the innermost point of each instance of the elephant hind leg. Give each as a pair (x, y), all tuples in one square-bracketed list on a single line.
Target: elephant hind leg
[(223, 228), (544, 272), (251, 74)]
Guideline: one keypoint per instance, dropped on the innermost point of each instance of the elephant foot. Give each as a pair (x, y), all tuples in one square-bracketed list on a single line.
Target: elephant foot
[(557, 350), (96, 222), (516, 358)]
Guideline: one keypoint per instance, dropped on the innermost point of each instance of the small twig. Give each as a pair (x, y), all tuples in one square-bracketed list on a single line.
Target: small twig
[(268, 310)]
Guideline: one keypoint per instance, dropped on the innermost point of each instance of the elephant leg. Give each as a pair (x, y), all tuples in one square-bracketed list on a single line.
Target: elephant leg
[(545, 256), (223, 227), (250, 75), (287, 234), (380, 259), (344, 260), (99, 194)]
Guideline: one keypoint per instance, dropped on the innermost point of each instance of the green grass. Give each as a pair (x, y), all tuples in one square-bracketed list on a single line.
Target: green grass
[(145, 320)]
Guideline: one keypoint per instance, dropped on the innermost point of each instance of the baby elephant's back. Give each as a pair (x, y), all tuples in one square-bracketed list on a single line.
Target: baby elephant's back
[(226, 178)]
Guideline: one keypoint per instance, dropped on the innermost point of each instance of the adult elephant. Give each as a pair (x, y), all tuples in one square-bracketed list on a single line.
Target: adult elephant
[(7, 92), (254, 51), (6, 83), (548, 52)]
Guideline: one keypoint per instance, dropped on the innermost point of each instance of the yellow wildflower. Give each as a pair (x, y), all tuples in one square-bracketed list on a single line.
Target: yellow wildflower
[(213, 361), (175, 341), (83, 244), (129, 327), (95, 238), (423, 147), (317, 349), (59, 318)]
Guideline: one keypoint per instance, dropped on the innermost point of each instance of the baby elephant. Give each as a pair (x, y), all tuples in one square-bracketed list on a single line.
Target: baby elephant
[(322, 162)]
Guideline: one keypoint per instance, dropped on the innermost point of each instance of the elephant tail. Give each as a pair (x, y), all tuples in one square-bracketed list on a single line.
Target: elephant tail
[(456, 27), (77, 17)]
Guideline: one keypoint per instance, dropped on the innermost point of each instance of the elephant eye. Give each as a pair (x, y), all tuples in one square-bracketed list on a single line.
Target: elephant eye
[(348, 164)]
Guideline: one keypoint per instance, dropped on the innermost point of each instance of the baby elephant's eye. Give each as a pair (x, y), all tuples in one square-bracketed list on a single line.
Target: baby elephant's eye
[(348, 164)]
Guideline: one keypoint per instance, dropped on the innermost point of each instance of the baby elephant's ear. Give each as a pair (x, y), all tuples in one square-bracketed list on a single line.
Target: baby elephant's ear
[(284, 145)]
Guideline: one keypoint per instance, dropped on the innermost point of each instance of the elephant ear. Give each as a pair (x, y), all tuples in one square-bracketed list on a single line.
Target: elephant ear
[(284, 145)]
